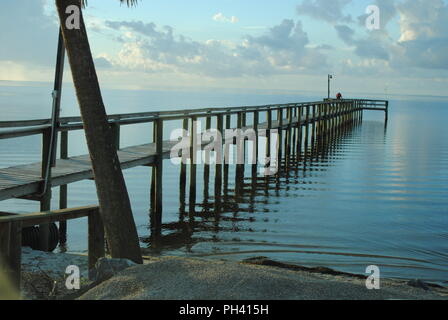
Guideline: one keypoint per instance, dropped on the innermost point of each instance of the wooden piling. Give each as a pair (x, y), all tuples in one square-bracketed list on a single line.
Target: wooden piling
[(193, 157), (63, 190), (157, 173), (183, 166), (45, 201), (307, 125), (208, 125), (280, 137), (255, 152), (218, 165), (299, 133)]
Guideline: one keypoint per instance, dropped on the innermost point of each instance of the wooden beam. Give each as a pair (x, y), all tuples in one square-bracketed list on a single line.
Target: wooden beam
[(32, 219)]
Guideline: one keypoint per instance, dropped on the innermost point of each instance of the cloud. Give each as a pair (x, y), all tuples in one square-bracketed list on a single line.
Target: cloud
[(28, 35), (423, 41), (281, 49), (330, 11), (345, 33), (102, 63), (372, 47), (222, 18)]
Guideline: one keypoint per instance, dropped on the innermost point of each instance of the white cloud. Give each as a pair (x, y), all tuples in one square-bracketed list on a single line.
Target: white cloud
[(422, 44), (330, 11), (281, 49), (222, 18)]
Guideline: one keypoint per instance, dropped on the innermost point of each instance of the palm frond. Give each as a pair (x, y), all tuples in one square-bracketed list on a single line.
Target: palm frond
[(130, 3)]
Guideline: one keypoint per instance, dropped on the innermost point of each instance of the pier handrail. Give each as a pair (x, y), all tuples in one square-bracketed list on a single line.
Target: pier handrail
[(75, 123), (185, 113), (11, 226), (22, 128)]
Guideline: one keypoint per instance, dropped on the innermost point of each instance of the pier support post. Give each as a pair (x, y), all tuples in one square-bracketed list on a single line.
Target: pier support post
[(280, 137), (240, 146), (268, 138), (255, 152), (208, 125), (288, 140), (307, 125), (299, 132), (11, 251), (294, 134), (313, 129), (193, 158), (63, 190), (386, 112), (157, 174), (226, 154), (218, 166), (45, 201), (183, 169)]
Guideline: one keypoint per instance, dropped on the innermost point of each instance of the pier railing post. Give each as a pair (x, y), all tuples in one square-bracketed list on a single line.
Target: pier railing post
[(255, 150), (239, 172), (313, 128), (299, 132), (193, 160), (226, 154), (11, 251), (268, 136), (288, 139), (307, 125), (218, 164), (157, 177), (45, 200), (386, 111), (183, 168), (63, 189), (280, 137), (208, 125)]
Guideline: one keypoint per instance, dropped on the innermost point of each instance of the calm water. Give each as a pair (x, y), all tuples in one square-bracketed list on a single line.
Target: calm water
[(375, 195)]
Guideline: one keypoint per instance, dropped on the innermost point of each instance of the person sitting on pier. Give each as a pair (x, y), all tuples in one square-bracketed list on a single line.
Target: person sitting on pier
[(339, 96)]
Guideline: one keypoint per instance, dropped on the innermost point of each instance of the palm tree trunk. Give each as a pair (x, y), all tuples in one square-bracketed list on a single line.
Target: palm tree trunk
[(115, 207)]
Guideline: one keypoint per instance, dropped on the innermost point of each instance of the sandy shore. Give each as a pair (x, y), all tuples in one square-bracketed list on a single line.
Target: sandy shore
[(177, 278), (191, 278)]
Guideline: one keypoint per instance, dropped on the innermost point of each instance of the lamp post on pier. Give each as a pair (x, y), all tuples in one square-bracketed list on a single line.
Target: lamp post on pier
[(329, 78)]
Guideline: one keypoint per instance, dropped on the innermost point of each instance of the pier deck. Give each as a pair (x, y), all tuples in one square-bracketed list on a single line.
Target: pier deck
[(27, 181), (23, 180)]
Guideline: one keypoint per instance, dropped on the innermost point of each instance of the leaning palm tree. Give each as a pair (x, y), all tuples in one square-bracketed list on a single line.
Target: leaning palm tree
[(115, 207)]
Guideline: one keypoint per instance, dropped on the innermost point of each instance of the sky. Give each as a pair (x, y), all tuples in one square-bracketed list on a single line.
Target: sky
[(241, 44)]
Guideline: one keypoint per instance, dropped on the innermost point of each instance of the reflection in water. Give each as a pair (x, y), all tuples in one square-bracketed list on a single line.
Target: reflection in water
[(338, 204)]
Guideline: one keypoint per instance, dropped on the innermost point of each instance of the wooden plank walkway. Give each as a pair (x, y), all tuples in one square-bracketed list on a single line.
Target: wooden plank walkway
[(23, 180)]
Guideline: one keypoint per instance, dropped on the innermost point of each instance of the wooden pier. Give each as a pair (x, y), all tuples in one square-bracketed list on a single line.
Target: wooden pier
[(300, 127)]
